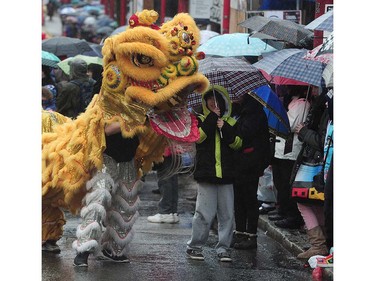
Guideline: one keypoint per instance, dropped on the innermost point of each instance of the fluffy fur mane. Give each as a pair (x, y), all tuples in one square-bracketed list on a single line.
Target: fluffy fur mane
[(145, 70)]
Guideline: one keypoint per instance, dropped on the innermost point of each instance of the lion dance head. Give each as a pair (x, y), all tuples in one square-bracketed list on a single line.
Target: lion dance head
[(148, 73)]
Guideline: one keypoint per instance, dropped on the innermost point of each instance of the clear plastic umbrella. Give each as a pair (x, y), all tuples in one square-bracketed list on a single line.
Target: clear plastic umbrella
[(64, 65)]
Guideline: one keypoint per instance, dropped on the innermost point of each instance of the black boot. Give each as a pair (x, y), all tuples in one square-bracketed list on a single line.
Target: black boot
[(51, 246), (81, 259), (289, 222), (244, 241)]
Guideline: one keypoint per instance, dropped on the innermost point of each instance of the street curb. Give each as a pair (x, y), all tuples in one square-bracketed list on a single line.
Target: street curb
[(280, 235), (292, 242)]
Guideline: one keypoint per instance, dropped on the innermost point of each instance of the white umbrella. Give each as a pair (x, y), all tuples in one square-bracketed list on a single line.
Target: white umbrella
[(328, 75), (68, 11), (207, 34)]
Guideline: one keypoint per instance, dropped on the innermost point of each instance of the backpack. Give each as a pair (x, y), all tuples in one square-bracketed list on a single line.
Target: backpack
[(86, 93)]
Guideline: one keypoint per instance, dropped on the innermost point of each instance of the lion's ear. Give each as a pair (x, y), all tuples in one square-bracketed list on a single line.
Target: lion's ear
[(108, 51)]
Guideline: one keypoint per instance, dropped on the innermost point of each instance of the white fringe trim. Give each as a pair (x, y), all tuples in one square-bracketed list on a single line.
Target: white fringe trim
[(107, 245), (89, 246), (131, 192), (132, 208), (98, 177), (92, 230), (111, 234), (114, 218), (93, 211), (100, 195)]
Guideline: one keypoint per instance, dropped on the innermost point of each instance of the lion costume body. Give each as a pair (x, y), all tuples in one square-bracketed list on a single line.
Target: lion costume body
[(148, 73)]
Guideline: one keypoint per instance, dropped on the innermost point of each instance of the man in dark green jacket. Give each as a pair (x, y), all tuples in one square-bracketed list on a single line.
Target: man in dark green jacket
[(74, 96)]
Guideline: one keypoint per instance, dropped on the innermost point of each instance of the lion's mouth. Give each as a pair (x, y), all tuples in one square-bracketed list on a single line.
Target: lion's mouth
[(151, 85), (167, 109), (177, 124), (173, 119)]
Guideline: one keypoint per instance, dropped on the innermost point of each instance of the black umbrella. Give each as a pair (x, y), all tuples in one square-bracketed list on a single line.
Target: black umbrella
[(119, 29), (105, 30), (96, 50), (284, 30), (65, 46)]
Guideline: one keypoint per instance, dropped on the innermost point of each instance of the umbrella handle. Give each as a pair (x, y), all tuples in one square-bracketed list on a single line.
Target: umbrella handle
[(307, 97), (213, 90)]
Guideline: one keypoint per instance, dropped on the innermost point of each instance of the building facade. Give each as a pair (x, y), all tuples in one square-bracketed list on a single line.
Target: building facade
[(221, 16)]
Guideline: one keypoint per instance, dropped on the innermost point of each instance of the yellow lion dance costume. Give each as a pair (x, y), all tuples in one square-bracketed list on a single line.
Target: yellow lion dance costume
[(148, 73)]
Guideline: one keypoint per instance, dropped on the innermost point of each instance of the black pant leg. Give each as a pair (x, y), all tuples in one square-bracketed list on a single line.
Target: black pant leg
[(240, 204), (246, 206), (281, 171), (252, 204)]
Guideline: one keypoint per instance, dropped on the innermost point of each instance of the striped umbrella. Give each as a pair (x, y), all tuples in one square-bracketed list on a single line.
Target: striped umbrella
[(236, 75), (314, 55), (327, 46), (278, 80), (290, 63), (324, 22), (49, 59)]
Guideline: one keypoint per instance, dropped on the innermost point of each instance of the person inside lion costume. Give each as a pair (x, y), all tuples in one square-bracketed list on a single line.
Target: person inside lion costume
[(147, 74)]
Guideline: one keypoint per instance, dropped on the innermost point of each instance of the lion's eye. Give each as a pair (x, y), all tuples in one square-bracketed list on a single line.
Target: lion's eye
[(186, 37), (142, 60)]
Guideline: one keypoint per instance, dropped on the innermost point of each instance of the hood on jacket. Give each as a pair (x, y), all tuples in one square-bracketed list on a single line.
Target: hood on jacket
[(222, 98), (78, 69)]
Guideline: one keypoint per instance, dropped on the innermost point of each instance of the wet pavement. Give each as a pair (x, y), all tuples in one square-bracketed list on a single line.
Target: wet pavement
[(158, 251)]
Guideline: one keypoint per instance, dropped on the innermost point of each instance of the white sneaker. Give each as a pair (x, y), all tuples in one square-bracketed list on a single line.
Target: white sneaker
[(160, 218), (176, 218)]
